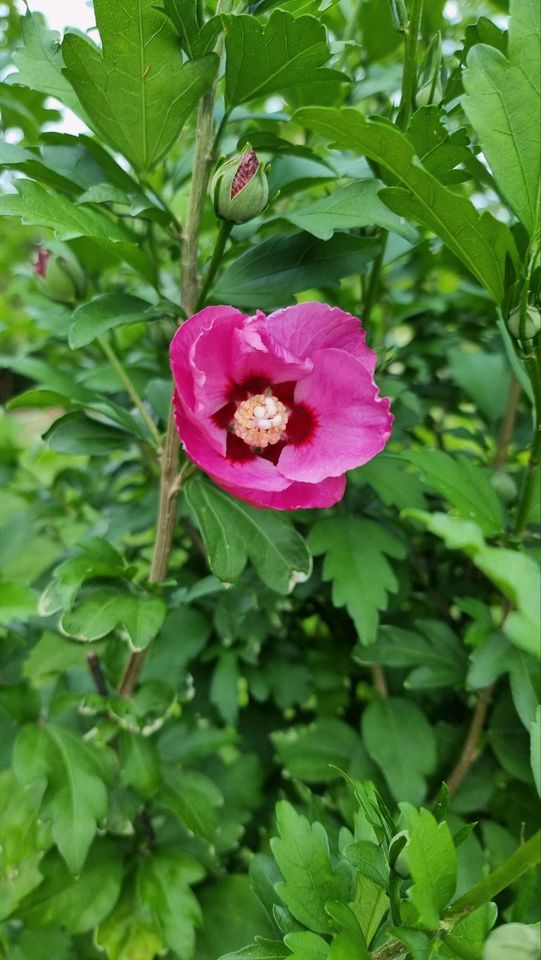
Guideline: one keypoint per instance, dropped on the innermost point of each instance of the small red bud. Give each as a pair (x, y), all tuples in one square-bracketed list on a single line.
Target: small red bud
[(41, 261)]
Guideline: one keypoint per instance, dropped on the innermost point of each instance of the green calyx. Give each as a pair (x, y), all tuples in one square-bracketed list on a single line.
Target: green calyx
[(240, 189)]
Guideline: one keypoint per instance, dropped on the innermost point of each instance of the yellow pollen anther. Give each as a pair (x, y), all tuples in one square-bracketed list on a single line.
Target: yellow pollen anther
[(260, 420)]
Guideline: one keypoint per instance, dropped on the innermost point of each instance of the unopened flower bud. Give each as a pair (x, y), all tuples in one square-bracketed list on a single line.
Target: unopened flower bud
[(527, 327), (240, 188), (61, 278), (41, 261), (430, 92), (398, 857)]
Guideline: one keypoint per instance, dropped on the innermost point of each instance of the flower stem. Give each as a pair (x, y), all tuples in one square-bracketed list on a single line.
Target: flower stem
[(374, 280), (530, 485), (410, 29), (525, 858), (223, 235), (508, 422), (170, 482), (409, 76), (125, 379)]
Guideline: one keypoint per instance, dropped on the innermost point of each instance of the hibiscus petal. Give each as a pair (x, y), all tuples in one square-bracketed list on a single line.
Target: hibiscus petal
[(297, 496), (351, 422), (201, 358), (257, 353), (307, 327), (252, 473)]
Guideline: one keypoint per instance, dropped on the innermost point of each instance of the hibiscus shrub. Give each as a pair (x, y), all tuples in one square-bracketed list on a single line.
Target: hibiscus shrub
[(269, 452)]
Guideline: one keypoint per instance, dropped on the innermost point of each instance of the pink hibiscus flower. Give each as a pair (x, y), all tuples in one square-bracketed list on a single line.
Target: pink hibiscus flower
[(276, 408)]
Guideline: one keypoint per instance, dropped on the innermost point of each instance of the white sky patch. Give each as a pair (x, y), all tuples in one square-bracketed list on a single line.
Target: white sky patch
[(60, 14), (63, 13), (451, 11)]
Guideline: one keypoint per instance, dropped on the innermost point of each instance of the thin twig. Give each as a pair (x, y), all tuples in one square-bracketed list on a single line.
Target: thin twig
[(470, 751), (379, 680), (127, 382), (94, 666)]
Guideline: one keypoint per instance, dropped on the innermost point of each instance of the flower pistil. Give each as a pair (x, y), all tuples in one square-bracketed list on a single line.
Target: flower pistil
[(260, 420)]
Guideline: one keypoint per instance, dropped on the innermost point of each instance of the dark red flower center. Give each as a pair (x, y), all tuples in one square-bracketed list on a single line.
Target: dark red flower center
[(300, 425)]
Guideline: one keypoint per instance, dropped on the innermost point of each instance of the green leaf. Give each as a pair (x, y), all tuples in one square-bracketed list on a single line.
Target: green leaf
[(312, 753), (233, 915), (51, 656), (306, 946), (485, 377), (401, 741), (106, 312), (356, 205), (32, 945), (76, 797), (525, 681), (20, 849), (302, 853), (267, 275), (370, 904), (79, 904), (469, 935), (40, 64), (17, 601), (369, 860), (347, 945), (271, 58), (515, 574), (356, 553), (35, 204), (520, 941), (446, 155), (457, 534), (394, 484), (482, 243), (262, 949), (463, 484), (503, 95), (438, 656), (97, 558), (234, 532), (184, 16), (509, 740), (103, 609), (139, 763), (432, 862), (224, 687), (519, 578), (136, 90), (77, 434), (194, 799), (164, 887), (535, 748), (131, 931)]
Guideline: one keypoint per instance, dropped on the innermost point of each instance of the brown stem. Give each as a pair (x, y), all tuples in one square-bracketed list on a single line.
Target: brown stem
[(470, 750), (379, 680), (94, 666), (508, 423), (169, 478)]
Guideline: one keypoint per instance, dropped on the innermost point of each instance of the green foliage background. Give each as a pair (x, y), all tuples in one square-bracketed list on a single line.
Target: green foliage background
[(270, 785)]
